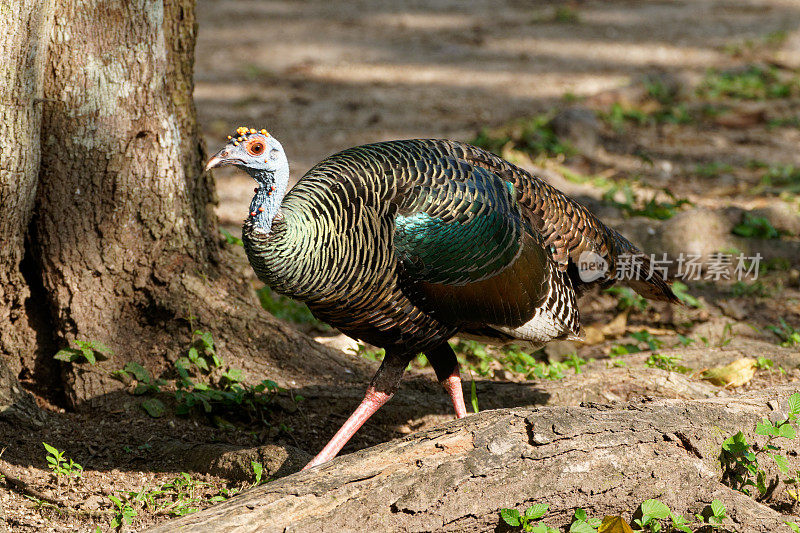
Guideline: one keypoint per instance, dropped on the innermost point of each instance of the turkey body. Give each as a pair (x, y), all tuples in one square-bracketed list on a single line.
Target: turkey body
[(404, 244)]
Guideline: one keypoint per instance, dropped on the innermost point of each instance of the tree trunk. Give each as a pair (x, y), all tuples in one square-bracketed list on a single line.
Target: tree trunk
[(456, 477), (23, 47), (122, 245)]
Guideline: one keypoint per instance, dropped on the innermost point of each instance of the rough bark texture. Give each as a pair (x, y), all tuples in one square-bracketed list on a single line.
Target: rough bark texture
[(23, 47), (116, 226), (456, 477)]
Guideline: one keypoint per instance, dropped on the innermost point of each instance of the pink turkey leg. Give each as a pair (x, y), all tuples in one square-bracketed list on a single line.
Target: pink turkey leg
[(382, 388), (452, 384), (372, 401)]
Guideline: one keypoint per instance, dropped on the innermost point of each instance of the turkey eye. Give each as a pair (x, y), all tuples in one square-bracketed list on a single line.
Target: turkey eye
[(256, 148)]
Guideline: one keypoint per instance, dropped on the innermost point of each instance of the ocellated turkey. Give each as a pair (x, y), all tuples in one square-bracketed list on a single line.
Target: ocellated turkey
[(404, 244)]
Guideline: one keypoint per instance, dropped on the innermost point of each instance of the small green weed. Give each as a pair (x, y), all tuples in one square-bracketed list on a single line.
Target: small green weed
[(713, 515), (740, 460), (764, 363), (682, 292), (642, 337), (653, 511), (146, 384), (654, 517), (373, 354), (627, 299), (85, 351), (755, 288), (619, 116), (789, 336), (204, 381), (124, 513), (779, 179), (528, 519), (581, 523), (670, 363), (751, 83), (258, 471), (712, 169), (61, 468), (230, 239), (533, 136), (757, 44), (783, 122), (287, 309), (473, 356), (575, 362), (756, 227)]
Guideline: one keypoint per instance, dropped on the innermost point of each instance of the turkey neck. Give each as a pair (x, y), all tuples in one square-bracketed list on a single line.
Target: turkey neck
[(266, 203), (265, 234)]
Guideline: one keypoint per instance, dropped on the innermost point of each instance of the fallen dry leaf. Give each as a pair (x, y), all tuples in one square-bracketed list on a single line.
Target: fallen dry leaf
[(598, 332), (614, 524), (735, 374)]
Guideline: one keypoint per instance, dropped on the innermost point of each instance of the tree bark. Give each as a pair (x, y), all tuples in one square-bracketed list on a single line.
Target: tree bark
[(23, 47), (456, 477), (116, 225)]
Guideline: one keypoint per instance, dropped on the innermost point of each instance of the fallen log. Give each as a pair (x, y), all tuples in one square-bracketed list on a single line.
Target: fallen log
[(605, 459)]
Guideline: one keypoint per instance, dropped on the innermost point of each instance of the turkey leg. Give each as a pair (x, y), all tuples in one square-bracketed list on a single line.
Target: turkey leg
[(382, 388), (444, 362)]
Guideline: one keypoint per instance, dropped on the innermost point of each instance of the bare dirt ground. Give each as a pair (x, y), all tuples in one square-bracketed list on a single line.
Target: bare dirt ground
[(323, 76)]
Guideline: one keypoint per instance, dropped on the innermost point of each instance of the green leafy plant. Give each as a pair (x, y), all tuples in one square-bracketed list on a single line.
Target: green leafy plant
[(60, 466), (779, 179), (528, 519), (124, 513), (618, 115), (789, 336), (682, 292), (712, 169), (740, 459), (756, 227), (473, 356), (581, 523), (631, 207), (713, 515), (574, 362), (764, 363), (756, 288), (287, 309), (201, 352), (627, 299), (230, 239), (532, 136), (258, 471), (670, 363), (373, 354), (146, 384), (685, 341), (85, 351), (652, 511), (206, 383), (751, 83), (755, 44), (642, 338), (182, 491)]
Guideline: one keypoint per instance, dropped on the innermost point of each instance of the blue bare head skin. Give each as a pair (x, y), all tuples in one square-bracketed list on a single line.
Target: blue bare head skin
[(262, 157), (256, 152)]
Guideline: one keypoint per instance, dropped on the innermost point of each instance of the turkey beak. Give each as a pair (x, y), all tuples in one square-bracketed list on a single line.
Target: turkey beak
[(217, 160)]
